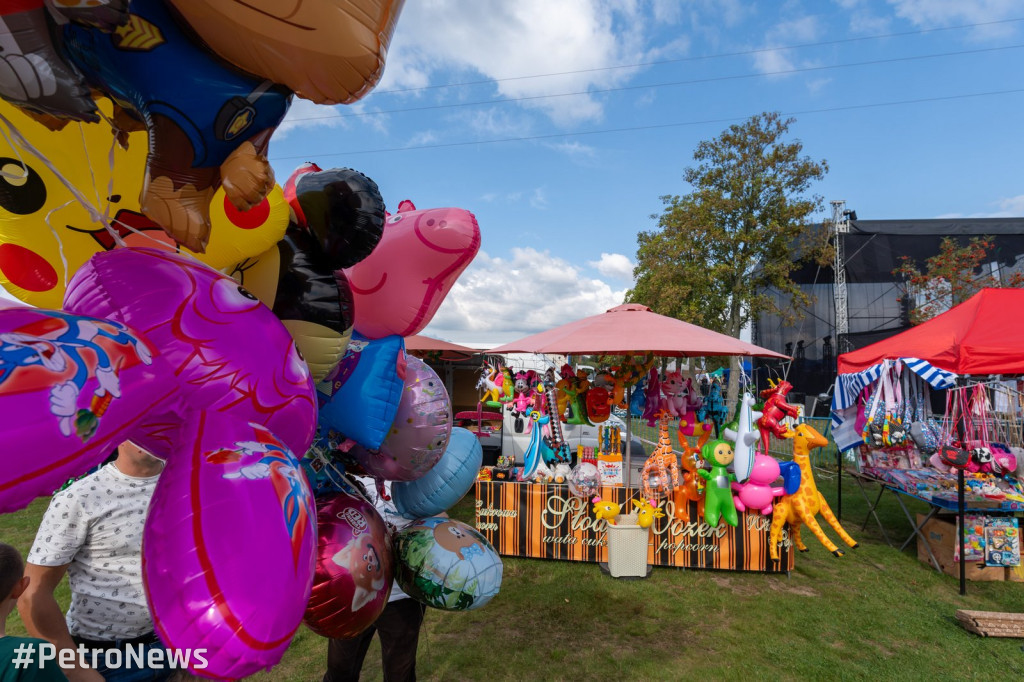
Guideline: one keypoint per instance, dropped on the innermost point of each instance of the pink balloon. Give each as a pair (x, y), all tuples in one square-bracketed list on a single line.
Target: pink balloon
[(229, 545), (353, 568), (399, 286), (71, 389), (227, 351), (420, 432)]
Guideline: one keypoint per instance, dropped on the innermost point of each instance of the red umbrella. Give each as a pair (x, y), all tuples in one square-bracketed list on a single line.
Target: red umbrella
[(422, 345), (633, 328)]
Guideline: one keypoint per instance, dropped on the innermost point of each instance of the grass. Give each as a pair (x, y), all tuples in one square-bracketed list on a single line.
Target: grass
[(873, 614)]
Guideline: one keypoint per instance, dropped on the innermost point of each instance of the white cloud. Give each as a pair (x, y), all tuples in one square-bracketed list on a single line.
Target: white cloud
[(539, 199), (575, 150), (497, 39), (306, 114), (501, 299), (1010, 207), (929, 13), (799, 30), (614, 265)]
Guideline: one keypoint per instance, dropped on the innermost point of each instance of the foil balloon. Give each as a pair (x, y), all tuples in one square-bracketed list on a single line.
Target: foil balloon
[(341, 207), (447, 564), (330, 52), (229, 545), (400, 285), (71, 388), (584, 480), (46, 233), (213, 132), (228, 351), (446, 483), (420, 432), (353, 567)]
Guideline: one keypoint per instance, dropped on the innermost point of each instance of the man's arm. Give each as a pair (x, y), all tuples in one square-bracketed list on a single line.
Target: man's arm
[(43, 618)]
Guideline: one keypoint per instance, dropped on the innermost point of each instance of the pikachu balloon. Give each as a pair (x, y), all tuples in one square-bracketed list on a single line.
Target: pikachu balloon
[(46, 233)]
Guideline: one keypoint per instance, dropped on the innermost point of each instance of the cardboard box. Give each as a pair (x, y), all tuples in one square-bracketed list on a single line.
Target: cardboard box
[(942, 539)]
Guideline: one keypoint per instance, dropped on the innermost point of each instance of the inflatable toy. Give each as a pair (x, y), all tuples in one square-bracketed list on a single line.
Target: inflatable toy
[(744, 437), (638, 399), (692, 488), (538, 452), (419, 434), (718, 501), (446, 564), (446, 483), (564, 387), (605, 509), (359, 398), (803, 505), (584, 480), (493, 383), (774, 411), (399, 286), (675, 396), (661, 471), (646, 512), (599, 404), (653, 403), (713, 407), (231, 492), (47, 232), (758, 493), (353, 567)]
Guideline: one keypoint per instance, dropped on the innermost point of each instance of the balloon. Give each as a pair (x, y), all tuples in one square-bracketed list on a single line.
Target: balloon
[(212, 132), (32, 73), (446, 564), (330, 52), (420, 431), (70, 388), (229, 545), (42, 224), (224, 347), (398, 287), (758, 493), (360, 397), (353, 567), (342, 207), (446, 483), (584, 480)]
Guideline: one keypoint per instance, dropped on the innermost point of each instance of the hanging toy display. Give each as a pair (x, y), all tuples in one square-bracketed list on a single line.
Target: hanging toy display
[(673, 388), (744, 436), (653, 402), (661, 472), (774, 411), (692, 488), (713, 407)]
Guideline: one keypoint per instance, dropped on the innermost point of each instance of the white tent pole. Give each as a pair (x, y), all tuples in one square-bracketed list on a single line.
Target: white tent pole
[(629, 436)]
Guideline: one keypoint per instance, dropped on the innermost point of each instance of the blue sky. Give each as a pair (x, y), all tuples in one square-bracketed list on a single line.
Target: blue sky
[(559, 210)]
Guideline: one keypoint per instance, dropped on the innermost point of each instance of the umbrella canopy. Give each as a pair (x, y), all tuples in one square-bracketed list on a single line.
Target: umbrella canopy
[(982, 335), (629, 329), (423, 345)]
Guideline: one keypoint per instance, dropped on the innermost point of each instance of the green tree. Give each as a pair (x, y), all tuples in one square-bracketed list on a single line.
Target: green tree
[(718, 251), (950, 277)]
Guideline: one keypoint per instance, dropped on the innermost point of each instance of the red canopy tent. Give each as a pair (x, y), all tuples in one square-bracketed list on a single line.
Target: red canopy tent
[(982, 335)]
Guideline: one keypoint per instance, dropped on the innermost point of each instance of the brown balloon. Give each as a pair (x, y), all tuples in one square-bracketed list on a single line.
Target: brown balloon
[(326, 51)]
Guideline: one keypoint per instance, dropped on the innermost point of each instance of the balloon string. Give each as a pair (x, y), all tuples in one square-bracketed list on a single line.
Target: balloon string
[(60, 243)]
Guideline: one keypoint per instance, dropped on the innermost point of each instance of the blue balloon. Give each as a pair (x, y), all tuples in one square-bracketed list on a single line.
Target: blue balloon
[(446, 483), (359, 398)]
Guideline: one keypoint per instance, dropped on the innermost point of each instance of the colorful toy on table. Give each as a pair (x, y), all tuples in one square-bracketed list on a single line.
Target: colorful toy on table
[(584, 480), (758, 493), (1002, 542), (661, 471), (609, 455), (561, 472), (653, 402), (647, 511), (692, 488), (744, 436), (605, 509), (774, 411), (675, 395), (974, 539), (718, 501), (802, 506)]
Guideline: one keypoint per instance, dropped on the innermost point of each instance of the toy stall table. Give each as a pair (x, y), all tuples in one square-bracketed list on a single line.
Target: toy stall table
[(544, 520)]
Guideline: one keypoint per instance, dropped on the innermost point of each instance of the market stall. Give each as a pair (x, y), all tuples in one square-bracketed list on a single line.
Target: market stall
[(881, 408), (554, 521)]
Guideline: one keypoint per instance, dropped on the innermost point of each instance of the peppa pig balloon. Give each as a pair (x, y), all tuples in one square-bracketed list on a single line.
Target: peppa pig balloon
[(229, 545), (353, 567), (419, 434), (399, 286)]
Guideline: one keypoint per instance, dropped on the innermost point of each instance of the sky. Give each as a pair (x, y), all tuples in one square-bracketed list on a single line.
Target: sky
[(561, 123)]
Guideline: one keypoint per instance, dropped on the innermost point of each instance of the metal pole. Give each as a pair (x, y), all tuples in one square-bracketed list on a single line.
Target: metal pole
[(839, 484), (629, 436), (960, 513)]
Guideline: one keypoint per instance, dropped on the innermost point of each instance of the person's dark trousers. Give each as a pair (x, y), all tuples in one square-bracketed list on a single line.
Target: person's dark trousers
[(399, 630)]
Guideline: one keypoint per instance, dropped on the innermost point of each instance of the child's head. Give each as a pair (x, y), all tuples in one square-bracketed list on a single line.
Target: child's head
[(12, 573)]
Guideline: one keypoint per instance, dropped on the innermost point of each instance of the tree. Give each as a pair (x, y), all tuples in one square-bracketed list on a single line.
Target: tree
[(718, 251), (950, 277)]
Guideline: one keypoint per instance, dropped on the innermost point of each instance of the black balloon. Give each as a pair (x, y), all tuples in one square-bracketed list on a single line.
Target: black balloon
[(310, 287)]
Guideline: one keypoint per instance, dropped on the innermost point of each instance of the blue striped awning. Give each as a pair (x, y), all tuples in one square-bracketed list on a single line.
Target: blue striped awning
[(849, 386)]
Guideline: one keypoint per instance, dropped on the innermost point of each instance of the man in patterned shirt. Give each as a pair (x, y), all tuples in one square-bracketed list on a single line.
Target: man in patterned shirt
[(93, 532)]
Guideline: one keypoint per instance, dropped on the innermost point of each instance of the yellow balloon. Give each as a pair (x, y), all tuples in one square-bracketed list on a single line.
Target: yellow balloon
[(43, 225)]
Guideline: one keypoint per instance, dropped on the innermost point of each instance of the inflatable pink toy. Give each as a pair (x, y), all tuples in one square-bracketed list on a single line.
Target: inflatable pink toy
[(229, 545), (71, 388), (674, 391), (399, 286), (758, 493), (353, 567), (419, 434)]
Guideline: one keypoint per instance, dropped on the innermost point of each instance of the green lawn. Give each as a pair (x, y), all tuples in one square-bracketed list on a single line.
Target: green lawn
[(873, 614)]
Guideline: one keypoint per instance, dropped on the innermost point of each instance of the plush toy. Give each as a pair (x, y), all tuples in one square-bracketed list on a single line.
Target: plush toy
[(718, 502), (758, 492)]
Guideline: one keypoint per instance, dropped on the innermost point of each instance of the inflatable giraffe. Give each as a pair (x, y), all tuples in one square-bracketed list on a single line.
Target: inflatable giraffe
[(802, 506)]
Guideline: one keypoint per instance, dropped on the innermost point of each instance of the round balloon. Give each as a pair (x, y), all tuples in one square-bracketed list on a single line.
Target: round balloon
[(584, 480), (420, 431), (446, 564), (353, 567), (43, 225), (446, 483)]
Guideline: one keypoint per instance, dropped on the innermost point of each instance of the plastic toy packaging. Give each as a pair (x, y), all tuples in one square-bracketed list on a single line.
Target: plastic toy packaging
[(974, 540), (1002, 542)]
